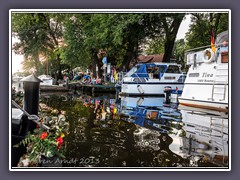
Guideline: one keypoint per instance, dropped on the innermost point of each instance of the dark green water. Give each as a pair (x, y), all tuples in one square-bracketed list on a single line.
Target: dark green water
[(140, 132)]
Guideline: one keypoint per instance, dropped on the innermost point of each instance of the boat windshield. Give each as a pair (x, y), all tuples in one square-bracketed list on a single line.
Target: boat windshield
[(173, 69), (149, 71), (133, 70)]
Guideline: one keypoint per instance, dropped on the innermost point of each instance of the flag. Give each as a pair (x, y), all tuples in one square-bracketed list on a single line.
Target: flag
[(212, 42)]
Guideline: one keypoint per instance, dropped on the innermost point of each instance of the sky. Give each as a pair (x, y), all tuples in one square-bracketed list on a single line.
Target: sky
[(17, 59), (183, 27)]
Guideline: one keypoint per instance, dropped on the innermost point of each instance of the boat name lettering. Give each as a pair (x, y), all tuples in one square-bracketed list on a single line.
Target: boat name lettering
[(205, 80), (207, 75)]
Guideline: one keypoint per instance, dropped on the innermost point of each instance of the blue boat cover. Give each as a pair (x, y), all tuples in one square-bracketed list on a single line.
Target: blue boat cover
[(142, 70)]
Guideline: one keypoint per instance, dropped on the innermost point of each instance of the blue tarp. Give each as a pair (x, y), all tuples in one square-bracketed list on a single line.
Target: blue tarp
[(142, 70)]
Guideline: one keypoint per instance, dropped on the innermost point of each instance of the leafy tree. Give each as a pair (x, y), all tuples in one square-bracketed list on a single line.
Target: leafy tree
[(156, 46), (201, 26), (84, 39), (26, 28), (40, 34), (74, 53), (119, 36), (178, 52), (163, 42), (171, 23), (110, 35)]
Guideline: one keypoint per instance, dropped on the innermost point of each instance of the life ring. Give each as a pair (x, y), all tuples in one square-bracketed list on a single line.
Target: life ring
[(208, 55)]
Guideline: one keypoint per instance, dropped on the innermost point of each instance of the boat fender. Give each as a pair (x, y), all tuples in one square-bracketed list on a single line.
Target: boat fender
[(208, 55), (140, 89)]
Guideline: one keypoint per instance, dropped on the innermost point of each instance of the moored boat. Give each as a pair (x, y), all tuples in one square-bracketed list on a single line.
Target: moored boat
[(153, 79), (206, 84), (16, 83), (47, 80)]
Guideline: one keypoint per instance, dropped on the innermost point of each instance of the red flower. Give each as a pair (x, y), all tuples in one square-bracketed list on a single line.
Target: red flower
[(43, 135), (59, 141)]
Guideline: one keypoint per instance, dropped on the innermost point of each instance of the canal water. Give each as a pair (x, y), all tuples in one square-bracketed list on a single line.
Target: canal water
[(140, 132)]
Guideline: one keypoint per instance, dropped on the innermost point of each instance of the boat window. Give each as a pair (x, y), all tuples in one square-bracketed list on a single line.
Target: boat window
[(153, 72), (173, 69), (193, 75), (156, 73), (162, 69), (224, 58), (182, 78)]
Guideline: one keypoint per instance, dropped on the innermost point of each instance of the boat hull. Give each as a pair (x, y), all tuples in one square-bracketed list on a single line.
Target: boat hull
[(211, 105), (150, 89), (209, 90), (48, 82)]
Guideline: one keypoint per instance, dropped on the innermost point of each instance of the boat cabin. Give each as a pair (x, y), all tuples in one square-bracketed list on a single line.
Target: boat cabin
[(154, 70), (208, 54)]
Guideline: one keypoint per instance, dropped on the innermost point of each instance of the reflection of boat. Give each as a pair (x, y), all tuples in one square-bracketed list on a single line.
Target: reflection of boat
[(149, 112), (152, 79), (47, 80), (205, 135), (132, 102), (206, 111), (206, 85)]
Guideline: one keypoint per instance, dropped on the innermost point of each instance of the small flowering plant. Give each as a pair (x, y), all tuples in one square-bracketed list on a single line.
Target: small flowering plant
[(45, 142)]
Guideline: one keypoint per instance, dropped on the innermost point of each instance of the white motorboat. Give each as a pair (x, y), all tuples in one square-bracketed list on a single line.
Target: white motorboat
[(47, 80), (153, 79), (206, 84), (16, 83)]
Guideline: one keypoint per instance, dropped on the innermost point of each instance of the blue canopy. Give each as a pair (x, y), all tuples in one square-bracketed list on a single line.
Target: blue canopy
[(142, 70)]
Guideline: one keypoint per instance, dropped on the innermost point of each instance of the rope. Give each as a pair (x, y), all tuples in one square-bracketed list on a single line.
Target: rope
[(31, 117)]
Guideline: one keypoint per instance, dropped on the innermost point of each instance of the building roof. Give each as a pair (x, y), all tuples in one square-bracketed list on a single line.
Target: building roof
[(150, 58)]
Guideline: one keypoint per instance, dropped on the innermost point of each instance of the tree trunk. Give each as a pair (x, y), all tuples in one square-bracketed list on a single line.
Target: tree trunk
[(130, 54), (127, 59), (95, 62), (131, 40), (59, 76), (36, 63), (171, 33), (168, 50)]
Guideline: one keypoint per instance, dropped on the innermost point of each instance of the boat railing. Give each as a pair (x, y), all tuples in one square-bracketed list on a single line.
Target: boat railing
[(139, 78), (121, 75), (31, 117), (196, 55), (203, 47)]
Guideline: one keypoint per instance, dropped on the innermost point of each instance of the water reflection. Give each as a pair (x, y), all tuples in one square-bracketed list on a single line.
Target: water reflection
[(206, 138), (141, 132)]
